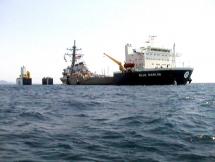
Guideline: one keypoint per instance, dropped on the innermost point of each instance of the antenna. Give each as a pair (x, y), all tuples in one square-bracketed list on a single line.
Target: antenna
[(150, 40), (174, 48), (173, 55)]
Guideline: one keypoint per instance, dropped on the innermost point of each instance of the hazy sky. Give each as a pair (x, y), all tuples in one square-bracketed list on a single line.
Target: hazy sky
[(36, 33)]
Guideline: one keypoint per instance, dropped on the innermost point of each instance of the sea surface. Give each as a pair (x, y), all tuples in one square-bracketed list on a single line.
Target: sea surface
[(107, 123)]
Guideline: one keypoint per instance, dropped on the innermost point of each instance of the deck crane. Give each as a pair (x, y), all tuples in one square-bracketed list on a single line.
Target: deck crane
[(121, 67)]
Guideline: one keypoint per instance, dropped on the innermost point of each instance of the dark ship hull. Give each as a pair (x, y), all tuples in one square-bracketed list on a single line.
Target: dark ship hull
[(176, 76), (89, 81), (24, 81)]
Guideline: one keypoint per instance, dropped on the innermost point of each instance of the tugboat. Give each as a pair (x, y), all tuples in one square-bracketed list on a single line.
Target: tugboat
[(78, 73), (24, 78)]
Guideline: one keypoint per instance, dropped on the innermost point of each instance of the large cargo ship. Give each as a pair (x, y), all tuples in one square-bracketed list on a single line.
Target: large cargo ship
[(144, 66)]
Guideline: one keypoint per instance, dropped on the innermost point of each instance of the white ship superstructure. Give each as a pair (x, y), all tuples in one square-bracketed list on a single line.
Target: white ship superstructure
[(150, 57)]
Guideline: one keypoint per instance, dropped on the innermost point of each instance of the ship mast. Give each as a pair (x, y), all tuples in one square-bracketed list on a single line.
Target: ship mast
[(73, 55)]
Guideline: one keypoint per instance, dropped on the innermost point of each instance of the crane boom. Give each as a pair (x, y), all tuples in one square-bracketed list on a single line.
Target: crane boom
[(121, 67)]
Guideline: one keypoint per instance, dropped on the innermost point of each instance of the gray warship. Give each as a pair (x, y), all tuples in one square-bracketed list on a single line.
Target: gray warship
[(78, 73)]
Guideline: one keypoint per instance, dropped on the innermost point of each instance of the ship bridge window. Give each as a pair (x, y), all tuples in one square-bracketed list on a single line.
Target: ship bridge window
[(160, 50)]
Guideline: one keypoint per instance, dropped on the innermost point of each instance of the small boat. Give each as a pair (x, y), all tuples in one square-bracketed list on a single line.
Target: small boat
[(24, 78), (47, 81)]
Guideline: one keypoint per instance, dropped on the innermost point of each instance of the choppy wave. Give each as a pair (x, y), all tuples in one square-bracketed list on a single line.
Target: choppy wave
[(107, 123)]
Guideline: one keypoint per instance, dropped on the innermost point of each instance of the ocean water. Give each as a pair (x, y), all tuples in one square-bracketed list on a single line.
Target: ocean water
[(107, 123)]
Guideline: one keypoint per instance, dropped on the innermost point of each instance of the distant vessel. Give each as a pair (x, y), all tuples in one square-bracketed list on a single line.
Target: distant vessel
[(24, 78), (144, 66), (78, 72), (47, 81)]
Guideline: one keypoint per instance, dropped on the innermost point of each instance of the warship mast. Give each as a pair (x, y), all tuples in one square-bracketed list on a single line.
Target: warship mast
[(73, 55)]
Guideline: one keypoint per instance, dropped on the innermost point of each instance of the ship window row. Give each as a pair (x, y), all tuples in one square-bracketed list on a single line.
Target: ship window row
[(152, 54), (160, 59), (159, 49), (157, 54), (157, 58)]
